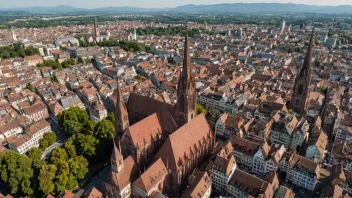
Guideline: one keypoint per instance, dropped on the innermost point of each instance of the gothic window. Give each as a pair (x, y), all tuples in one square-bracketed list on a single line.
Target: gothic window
[(297, 102), (182, 104), (192, 116), (125, 118), (300, 89)]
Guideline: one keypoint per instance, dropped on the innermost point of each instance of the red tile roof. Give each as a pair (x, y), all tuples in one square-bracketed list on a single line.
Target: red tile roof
[(183, 141)]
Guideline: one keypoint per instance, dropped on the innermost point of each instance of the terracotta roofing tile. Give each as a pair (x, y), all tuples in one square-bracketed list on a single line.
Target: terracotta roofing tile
[(244, 146), (152, 176), (143, 131), (93, 193), (123, 178), (198, 186), (185, 140)]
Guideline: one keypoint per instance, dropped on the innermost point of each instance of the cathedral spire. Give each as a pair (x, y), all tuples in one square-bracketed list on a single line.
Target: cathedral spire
[(187, 68), (301, 89), (116, 159), (186, 89), (121, 114), (305, 70)]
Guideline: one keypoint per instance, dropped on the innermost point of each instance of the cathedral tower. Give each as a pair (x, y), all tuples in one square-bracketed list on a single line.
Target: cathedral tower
[(301, 88), (96, 28), (116, 160), (186, 90), (121, 114)]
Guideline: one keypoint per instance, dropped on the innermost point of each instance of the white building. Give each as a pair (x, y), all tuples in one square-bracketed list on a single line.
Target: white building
[(31, 138), (303, 172), (317, 147), (9, 129), (222, 168), (244, 185), (229, 125), (268, 158), (244, 151)]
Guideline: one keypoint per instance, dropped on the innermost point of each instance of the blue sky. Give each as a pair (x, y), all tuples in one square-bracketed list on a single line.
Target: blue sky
[(152, 3)]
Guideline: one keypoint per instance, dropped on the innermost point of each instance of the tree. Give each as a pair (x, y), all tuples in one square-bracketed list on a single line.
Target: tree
[(70, 148), (80, 59), (290, 111), (71, 127), (43, 143), (323, 89), (50, 137), (35, 155), (51, 63), (78, 167), (85, 144), (200, 109), (111, 117), (81, 114), (61, 178), (16, 172), (46, 177), (58, 155), (88, 127), (47, 140), (30, 87), (104, 130)]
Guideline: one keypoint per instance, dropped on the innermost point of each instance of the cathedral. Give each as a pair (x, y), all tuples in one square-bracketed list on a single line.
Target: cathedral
[(148, 130), (301, 89)]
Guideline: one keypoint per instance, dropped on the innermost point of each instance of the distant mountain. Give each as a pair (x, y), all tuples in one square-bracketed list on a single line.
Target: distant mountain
[(41, 9), (263, 7), (216, 8), (70, 9)]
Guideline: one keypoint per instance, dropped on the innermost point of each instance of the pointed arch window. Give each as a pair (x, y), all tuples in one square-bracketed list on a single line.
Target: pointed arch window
[(297, 102), (300, 89)]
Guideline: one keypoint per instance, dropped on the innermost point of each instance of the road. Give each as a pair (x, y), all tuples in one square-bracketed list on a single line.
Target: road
[(60, 139), (95, 181)]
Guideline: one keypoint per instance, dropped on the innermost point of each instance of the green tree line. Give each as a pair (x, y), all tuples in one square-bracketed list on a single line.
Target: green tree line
[(17, 50), (169, 31), (89, 143), (55, 64), (130, 46)]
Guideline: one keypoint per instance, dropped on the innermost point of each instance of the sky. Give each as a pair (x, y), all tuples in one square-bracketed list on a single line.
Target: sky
[(153, 3)]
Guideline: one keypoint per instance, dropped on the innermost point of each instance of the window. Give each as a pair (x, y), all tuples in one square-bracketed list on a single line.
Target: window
[(300, 89), (297, 102)]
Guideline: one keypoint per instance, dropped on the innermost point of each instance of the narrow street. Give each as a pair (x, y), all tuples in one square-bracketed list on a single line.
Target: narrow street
[(60, 139)]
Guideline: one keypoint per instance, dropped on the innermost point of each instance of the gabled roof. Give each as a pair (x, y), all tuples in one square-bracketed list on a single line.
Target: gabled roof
[(123, 178), (226, 164), (244, 146), (183, 142), (93, 193), (152, 176), (198, 185), (146, 106), (143, 131)]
